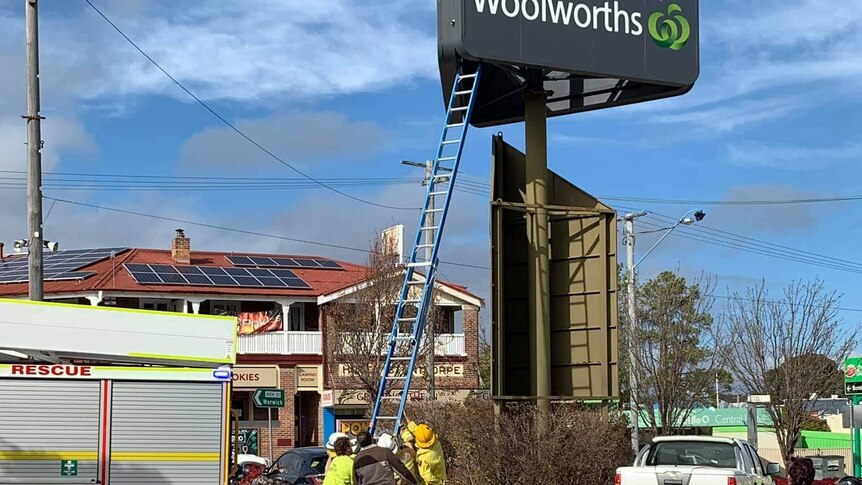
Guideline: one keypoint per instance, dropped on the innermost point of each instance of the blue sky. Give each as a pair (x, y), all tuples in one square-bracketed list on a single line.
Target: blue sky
[(348, 88)]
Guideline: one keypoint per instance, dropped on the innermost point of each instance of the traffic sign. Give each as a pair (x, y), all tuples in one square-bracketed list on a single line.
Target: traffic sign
[(853, 389), (760, 399), (68, 468), (269, 398)]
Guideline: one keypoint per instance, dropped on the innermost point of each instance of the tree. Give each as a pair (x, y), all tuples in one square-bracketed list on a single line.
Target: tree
[(787, 348), (484, 360), (359, 327), (677, 358)]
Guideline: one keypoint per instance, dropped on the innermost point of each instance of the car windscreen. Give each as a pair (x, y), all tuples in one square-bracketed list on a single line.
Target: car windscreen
[(692, 453), (318, 463)]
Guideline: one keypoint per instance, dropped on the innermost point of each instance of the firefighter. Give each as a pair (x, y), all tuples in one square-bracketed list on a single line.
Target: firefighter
[(407, 450), (429, 456)]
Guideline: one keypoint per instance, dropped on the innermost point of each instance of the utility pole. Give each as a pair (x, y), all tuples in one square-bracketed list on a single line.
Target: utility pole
[(34, 153), (632, 327), (431, 331)]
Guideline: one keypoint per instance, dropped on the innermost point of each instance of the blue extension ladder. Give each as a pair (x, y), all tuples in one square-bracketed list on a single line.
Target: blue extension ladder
[(404, 346)]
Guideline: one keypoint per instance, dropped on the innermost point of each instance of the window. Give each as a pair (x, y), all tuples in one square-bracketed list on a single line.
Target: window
[(225, 308), (155, 305), (755, 460), (240, 406), (675, 453), (259, 414), (295, 317)]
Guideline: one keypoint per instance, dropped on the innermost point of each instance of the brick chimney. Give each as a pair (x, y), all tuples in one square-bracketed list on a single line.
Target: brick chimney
[(1, 252), (181, 248)]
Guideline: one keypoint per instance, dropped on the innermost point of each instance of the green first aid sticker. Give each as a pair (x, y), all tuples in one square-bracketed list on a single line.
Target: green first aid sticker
[(69, 468)]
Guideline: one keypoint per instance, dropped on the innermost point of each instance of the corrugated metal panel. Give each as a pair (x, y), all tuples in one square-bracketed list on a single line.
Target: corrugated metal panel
[(55, 420), (166, 472), (150, 419)]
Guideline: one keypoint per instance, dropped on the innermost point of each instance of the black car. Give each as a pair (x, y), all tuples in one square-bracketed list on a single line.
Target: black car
[(296, 467)]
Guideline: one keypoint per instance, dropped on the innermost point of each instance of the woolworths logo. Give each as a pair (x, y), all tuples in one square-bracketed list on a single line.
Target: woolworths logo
[(671, 30)]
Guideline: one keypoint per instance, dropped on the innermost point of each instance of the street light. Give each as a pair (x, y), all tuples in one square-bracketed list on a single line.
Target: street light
[(629, 219)]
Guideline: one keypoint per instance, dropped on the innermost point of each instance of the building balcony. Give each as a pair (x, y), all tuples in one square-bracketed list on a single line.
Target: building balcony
[(282, 343), (311, 343)]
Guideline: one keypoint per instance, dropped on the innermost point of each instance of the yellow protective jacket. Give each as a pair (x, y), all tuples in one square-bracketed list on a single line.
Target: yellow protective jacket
[(340, 471), (432, 464)]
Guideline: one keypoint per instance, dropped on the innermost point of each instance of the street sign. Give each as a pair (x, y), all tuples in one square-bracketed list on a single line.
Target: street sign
[(853, 369), (68, 468), (853, 389), (269, 398), (760, 399)]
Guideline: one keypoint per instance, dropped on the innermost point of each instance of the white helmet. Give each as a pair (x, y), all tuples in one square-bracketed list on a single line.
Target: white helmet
[(387, 441), (330, 443)]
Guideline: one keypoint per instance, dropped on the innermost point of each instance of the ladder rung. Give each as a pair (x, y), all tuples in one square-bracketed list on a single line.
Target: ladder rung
[(390, 418), (443, 176), (434, 210), (406, 319), (424, 246), (419, 265), (401, 358), (459, 93), (454, 125), (460, 108), (430, 228), (404, 339), (412, 301), (438, 193), (415, 282), (466, 76), (451, 142), (396, 378), (446, 159), (391, 398)]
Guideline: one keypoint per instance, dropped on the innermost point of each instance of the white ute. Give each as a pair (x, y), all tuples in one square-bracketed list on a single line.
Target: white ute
[(697, 460)]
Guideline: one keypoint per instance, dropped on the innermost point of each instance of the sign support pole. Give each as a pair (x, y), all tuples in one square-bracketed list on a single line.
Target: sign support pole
[(536, 131), (752, 425), (269, 424), (857, 444)]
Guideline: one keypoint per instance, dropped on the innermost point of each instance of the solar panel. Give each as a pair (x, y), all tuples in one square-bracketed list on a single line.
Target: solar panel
[(58, 266), (158, 274), (265, 262)]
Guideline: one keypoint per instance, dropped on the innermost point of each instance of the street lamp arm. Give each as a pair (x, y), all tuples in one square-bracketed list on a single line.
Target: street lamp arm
[(666, 234)]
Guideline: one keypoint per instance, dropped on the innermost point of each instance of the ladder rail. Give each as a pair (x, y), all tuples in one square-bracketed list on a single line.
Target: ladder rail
[(426, 295)]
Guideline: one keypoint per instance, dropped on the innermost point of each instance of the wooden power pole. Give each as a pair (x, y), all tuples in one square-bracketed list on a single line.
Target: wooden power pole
[(34, 154)]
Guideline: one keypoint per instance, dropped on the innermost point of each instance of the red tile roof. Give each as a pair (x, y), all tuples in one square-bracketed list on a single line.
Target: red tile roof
[(112, 277)]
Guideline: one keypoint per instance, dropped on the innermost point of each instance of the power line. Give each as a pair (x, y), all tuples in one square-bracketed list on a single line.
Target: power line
[(233, 127), (779, 302), (814, 200), (754, 250), (240, 231), (761, 243)]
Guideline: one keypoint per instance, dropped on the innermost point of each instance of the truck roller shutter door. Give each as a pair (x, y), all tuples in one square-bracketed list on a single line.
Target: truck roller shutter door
[(166, 433), (45, 424)]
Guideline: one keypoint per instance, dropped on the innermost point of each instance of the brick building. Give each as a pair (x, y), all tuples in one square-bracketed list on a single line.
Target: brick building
[(257, 287)]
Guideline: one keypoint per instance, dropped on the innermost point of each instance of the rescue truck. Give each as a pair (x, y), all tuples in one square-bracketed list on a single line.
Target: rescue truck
[(113, 396)]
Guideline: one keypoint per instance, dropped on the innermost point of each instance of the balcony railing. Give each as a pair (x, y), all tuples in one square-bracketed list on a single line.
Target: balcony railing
[(288, 343), (282, 343)]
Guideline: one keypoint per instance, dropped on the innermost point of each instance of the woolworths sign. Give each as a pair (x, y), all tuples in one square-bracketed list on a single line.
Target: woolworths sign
[(654, 41)]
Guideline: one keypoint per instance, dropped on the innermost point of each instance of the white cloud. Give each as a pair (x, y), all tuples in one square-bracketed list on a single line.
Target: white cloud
[(66, 135), (790, 157), (298, 137), (727, 117), (228, 51)]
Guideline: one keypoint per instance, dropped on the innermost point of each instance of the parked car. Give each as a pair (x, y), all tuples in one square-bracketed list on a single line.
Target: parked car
[(697, 460), (300, 466)]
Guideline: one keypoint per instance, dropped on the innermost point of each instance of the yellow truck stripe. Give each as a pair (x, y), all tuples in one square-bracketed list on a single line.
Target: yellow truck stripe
[(22, 455), (163, 456)]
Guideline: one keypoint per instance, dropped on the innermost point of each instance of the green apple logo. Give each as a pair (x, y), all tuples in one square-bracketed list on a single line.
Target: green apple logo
[(671, 30)]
